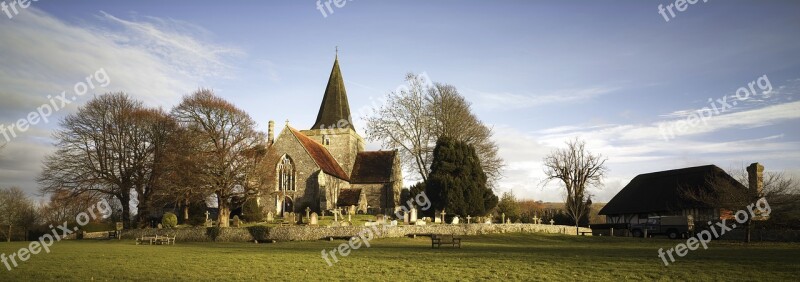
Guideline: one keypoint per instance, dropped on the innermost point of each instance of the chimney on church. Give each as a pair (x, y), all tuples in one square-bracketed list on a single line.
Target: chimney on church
[(755, 178), (271, 133)]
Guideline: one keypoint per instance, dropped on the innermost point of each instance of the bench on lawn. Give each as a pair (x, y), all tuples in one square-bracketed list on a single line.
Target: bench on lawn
[(156, 240), (583, 233), (437, 240)]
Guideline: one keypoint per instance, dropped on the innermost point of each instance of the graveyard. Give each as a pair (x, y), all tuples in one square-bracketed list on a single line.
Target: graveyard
[(513, 256)]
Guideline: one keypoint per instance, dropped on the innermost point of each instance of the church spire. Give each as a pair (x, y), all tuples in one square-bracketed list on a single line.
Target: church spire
[(335, 109)]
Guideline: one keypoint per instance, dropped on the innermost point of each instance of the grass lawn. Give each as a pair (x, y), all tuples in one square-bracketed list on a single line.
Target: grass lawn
[(502, 256)]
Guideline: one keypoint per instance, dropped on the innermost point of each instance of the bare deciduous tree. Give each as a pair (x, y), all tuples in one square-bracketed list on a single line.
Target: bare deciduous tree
[(227, 139), (16, 210), (577, 169), (417, 115), (100, 149)]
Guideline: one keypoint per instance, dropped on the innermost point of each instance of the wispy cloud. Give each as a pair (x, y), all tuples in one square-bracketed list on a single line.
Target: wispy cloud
[(154, 60), (528, 100)]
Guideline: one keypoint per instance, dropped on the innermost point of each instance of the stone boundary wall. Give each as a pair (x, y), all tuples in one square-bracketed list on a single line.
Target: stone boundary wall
[(310, 233)]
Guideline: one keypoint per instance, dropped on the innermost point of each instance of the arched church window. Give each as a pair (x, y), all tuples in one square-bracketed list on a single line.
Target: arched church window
[(286, 174)]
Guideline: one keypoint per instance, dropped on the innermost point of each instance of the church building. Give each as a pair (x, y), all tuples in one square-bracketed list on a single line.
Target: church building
[(326, 167)]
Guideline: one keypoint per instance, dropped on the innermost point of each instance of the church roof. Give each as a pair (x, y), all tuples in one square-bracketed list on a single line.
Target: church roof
[(373, 167), (334, 107), (349, 197), (321, 156)]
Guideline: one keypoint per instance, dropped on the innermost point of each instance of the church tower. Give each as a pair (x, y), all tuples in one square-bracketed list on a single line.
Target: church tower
[(334, 126)]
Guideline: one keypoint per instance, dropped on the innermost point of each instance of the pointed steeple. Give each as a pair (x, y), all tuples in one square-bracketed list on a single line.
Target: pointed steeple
[(334, 107)]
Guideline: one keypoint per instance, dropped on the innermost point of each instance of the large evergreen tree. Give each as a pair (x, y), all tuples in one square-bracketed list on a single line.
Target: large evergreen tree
[(457, 182)]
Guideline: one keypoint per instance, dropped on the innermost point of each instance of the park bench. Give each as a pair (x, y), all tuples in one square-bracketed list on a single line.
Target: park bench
[(437, 240), (583, 233), (156, 240)]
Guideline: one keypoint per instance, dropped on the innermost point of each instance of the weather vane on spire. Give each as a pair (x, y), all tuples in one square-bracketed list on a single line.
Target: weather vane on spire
[(337, 51)]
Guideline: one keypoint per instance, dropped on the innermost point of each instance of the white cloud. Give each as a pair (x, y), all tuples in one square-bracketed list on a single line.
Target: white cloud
[(154, 60), (517, 101)]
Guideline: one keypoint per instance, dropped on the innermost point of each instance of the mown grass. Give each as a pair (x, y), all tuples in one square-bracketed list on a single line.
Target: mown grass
[(488, 257)]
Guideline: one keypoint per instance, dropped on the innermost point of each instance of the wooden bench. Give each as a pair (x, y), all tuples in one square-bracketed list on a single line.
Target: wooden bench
[(583, 233), (156, 240), (437, 240)]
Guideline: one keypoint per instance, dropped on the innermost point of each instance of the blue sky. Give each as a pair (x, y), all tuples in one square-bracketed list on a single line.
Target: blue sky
[(539, 73)]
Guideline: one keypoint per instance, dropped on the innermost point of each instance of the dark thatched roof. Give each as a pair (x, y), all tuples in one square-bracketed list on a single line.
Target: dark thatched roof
[(373, 167), (349, 197), (321, 156), (661, 191), (334, 107)]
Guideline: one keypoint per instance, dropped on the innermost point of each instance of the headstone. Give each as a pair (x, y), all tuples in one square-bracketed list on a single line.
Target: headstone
[(335, 216), (405, 219), (487, 220), (380, 219), (393, 222), (120, 226), (308, 213), (159, 226), (455, 220), (535, 220), (468, 219), (207, 213), (270, 217), (236, 221), (443, 213), (344, 223), (209, 223), (313, 220), (508, 221), (352, 209), (551, 221), (504, 218), (413, 215), (419, 222), (285, 216), (426, 219), (437, 220), (350, 217)]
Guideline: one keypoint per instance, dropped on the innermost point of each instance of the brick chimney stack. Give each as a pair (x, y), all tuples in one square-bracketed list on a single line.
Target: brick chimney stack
[(755, 177), (271, 133)]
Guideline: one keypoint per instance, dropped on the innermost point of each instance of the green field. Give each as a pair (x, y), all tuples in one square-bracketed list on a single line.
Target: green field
[(495, 257)]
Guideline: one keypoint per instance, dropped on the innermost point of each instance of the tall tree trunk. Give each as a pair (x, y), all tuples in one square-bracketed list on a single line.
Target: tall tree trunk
[(186, 210), (126, 210), (224, 211)]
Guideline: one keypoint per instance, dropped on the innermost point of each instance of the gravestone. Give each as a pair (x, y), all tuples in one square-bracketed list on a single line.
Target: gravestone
[(285, 216), (413, 215), (455, 220), (349, 217), (551, 221), (380, 219), (159, 226), (405, 219), (468, 219), (308, 213), (487, 220), (209, 223), (270, 217), (393, 222), (313, 220), (419, 222), (344, 223), (236, 221), (352, 209), (437, 219)]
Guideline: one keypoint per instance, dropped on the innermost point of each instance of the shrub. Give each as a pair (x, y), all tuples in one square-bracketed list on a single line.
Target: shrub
[(252, 212), (170, 220)]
